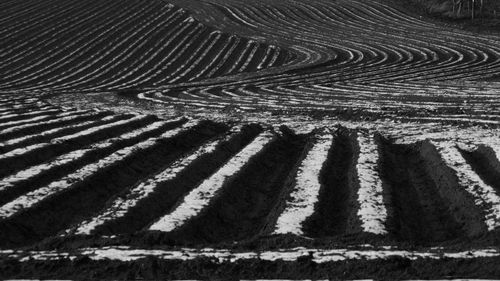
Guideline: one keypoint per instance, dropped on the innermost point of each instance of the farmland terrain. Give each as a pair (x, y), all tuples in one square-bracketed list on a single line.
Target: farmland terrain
[(235, 139)]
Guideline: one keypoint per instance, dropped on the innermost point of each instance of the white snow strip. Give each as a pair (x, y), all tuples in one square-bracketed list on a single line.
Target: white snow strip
[(123, 253), (27, 121), (19, 109), (66, 116), (122, 205), (20, 151), (201, 196), (484, 195), (48, 132), (34, 197), (305, 193), (372, 211), (99, 128), (42, 110), (72, 156)]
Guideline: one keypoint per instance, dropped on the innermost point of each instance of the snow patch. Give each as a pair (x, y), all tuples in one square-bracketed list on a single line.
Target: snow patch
[(201, 196), (372, 211), (306, 190), (124, 254), (122, 205), (484, 195), (34, 197)]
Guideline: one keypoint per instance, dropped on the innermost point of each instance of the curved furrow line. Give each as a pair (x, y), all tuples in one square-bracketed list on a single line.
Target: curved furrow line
[(81, 40), (62, 73), (158, 55), (46, 69), (13, 5), (27, 25), (142, 54), (424, 64), (25, 8), (102, 63), (36, 44)]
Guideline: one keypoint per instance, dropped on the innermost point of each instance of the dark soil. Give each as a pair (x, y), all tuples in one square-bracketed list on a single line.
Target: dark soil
[(462, 205), (243, 207), (170, 194), (46, 177), (332, 210), (37, 156), (44, 127), (208, 269), (485, 163), (86, 197), (418, 214)]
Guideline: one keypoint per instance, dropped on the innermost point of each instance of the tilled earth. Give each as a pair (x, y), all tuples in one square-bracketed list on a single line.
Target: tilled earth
[(225, 139)]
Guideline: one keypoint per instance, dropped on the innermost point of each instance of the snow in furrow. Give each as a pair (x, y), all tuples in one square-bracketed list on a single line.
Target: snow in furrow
[(122, 205), (48, 133), (66, 116), (21, 108), (32, 198), (305, 193), (124, 253), (19, 100), (27, 121), (45, 110), (484, 195), (72, 156), (372, 211), (201, 196), (20, 151)]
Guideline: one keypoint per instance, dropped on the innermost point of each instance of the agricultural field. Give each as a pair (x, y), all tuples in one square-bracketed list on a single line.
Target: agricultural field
[(232, 139)]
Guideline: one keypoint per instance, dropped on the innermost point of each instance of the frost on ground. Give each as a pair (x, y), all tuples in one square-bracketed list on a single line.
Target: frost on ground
[(123, 204), (305, 193), (124, 253), (33, 171), (484, 195), (21, 151), (201, 196), (372, 211), (32, 198)]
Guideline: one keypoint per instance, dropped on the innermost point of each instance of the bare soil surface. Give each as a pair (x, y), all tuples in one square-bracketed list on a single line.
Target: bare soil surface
[(117, 115)]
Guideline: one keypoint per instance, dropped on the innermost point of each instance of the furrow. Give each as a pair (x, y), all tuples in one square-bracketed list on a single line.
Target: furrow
[(32, 128), (34, 154), (32, 198), (484, 195), (82, 193), (304, 196), (169, 191), (331, 216), (145, 188), (201, 196), (35, 176), (417, 212), (47, 135), (372, 210)]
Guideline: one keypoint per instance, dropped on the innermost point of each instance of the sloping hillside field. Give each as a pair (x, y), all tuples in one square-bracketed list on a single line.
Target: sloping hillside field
[(232, 139)]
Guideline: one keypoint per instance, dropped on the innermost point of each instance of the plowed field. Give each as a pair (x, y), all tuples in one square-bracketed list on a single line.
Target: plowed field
[(231, 139)]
